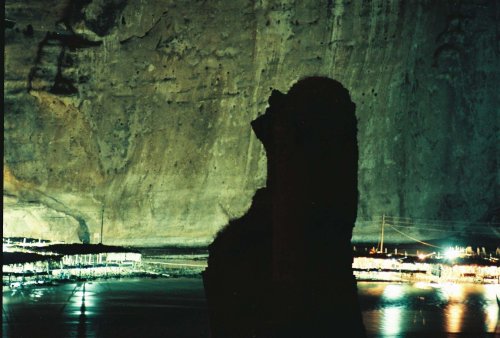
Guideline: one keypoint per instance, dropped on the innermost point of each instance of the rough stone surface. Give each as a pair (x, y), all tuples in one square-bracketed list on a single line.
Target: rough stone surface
[(143, 108)]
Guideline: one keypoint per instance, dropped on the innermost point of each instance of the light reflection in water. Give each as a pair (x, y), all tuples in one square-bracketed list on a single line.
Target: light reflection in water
[(491, 292), (82, 309), (83, 300), (491, 317), (391, 320), (393, 291), (83, 319), (423, 285), (453, 317), (452, 292), (397, 309)]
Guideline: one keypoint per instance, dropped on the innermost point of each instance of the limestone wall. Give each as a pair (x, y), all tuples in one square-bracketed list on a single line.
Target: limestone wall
[(142, 109)]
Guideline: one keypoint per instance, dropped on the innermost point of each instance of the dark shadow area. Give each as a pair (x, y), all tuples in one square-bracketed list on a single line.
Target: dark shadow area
[(285, 268)]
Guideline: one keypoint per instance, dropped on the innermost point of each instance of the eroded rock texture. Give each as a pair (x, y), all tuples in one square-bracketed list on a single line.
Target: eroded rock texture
[(143, 109)]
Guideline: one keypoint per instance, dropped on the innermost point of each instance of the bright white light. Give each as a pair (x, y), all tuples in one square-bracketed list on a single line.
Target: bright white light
[(423, 285), (421, 256), (391, 320), (491, 317), (393, 291), (491, 291), (451, 253), (452, 291)]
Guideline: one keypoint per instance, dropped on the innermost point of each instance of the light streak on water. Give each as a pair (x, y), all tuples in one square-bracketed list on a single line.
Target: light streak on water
[(492, 319), (491, 309), (452, 291), (391, 320), (178, 306), (83, 301), (393, 292), (454, 316), (424, 309)]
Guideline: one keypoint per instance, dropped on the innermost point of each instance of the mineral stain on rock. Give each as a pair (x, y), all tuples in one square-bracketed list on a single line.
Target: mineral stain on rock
[(83, 231)]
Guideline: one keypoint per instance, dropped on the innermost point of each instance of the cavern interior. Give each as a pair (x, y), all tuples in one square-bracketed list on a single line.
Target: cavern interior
[(135, 124)]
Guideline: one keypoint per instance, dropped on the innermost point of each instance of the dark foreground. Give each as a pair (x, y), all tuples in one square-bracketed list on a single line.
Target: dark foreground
[(176, 307), (109, 308)]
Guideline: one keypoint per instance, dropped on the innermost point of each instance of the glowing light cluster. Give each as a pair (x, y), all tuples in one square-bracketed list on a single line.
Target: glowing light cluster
[(393, 291), (451, 253)]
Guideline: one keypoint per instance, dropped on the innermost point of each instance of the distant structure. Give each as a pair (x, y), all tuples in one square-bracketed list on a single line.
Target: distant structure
[(285, 268), (29, 261)]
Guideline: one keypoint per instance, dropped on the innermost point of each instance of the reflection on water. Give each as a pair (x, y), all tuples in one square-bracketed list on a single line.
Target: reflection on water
[(492, 309), (451, 292), (454, 314), (177, 308), (391, 320), (393, 291), (82, 325), (423, 308), (83, 300), (108, 309), (82, 303), (492, 317), (391, 315)]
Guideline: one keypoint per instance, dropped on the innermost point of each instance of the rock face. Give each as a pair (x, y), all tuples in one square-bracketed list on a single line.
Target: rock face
[(136, 115)]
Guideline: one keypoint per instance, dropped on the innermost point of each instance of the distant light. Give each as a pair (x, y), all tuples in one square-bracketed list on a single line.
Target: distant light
[(421, 257), (451, 253)]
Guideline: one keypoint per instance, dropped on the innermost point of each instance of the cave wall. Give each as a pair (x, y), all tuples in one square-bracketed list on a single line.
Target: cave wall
[(137, 113)]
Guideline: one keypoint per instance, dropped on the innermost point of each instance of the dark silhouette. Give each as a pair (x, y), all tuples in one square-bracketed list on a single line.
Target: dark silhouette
[(285, 268)]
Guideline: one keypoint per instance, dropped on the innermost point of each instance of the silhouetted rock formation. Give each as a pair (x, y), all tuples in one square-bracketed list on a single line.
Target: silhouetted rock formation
[(285, 268), (238, 280)]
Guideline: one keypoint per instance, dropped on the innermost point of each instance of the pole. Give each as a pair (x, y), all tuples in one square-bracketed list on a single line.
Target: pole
[(382, 235), (102, 221)]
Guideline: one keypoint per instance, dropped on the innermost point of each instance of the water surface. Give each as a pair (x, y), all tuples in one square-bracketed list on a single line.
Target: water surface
[(176, 307), (430, 310)]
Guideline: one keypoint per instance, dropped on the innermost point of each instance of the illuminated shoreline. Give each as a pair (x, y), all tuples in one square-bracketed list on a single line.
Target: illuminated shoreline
[(394, 269)]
